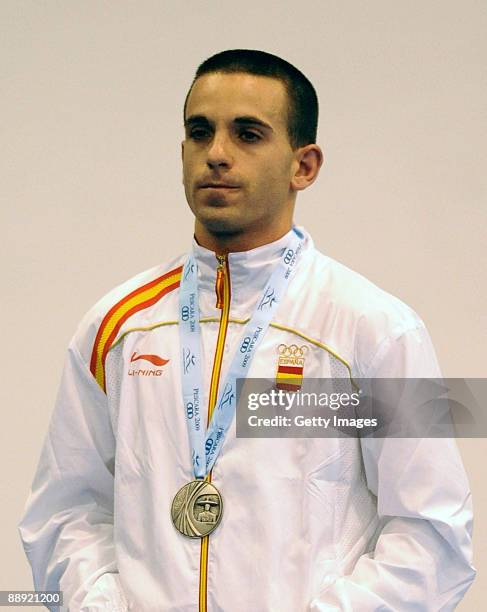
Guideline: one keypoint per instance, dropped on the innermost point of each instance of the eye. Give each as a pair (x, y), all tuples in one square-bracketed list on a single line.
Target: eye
[(249, 136), (198, 133)]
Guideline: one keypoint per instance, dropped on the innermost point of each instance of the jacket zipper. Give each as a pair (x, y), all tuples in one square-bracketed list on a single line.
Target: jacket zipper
[(223, 295)]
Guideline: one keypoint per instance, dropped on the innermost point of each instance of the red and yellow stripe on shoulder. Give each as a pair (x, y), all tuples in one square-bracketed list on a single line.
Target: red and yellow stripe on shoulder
[(137, 300)]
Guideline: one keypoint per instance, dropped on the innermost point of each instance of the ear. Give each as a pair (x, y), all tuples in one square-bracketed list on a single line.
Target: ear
[(182, 160), (308, 161)]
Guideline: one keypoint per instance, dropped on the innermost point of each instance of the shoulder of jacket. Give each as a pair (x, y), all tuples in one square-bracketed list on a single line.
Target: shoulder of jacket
[(351, 291), (365, 314), (102, 323)]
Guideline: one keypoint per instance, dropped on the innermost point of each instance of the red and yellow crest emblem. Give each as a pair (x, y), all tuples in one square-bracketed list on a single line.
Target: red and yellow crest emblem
[(290, 367)]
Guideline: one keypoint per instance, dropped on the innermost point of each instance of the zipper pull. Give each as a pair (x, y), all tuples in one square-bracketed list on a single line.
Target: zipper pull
[(220, 281)]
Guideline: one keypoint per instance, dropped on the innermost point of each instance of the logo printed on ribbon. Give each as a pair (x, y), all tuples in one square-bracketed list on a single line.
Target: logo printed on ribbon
[(268, 299), (227, 396), (189, 270), (245, 344), (195, 459), (189, 359), (288, 257), (185, 313)]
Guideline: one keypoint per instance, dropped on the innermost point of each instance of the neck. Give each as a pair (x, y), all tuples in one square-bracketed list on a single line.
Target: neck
[(235, 242)]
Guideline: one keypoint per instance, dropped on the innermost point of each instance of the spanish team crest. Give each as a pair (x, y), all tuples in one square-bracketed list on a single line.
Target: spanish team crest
[(290, 367)]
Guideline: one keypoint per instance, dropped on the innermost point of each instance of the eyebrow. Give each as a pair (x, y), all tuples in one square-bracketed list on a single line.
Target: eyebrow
[(248, 120), (245, 120)]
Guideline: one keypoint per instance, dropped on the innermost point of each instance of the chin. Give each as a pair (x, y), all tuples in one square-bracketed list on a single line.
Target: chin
[(221, 226), (220, 221)]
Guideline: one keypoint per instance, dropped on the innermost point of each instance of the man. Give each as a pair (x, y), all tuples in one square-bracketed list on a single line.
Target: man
[(143, 434)]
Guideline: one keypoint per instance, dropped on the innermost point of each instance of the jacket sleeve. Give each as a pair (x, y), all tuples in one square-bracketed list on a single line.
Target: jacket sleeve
[(67, 526), (422, 557)]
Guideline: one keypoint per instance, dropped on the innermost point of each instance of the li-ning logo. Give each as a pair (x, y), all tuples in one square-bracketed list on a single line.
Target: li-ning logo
[(153, 359)]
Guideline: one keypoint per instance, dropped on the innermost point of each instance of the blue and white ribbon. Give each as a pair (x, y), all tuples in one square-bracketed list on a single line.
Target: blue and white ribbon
[(206, 447)]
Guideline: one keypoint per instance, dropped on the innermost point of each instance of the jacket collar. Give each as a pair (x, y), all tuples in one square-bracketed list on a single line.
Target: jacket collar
[(249, 273)]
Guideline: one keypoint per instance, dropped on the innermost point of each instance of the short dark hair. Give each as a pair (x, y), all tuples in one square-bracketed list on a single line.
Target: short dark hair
[(302, 119)]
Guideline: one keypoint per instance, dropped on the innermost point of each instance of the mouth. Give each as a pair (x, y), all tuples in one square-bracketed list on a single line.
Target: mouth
[(219, 186)]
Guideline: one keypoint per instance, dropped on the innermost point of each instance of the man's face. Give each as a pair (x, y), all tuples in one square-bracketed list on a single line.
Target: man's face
[(237, 158)]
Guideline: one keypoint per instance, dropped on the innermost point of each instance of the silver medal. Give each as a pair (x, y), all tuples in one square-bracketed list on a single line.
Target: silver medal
[(197, 509)]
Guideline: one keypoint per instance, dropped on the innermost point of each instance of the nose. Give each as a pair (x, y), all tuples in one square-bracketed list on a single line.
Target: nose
[(219, 154)]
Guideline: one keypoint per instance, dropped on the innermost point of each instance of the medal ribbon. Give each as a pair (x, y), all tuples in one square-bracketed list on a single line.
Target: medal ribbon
[(205, 448)]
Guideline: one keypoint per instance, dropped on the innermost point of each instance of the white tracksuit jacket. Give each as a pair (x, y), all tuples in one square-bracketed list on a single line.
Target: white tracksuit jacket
[(309, 524)]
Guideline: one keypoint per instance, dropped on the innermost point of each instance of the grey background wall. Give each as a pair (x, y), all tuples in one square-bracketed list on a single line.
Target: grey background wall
[(91, 114)]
